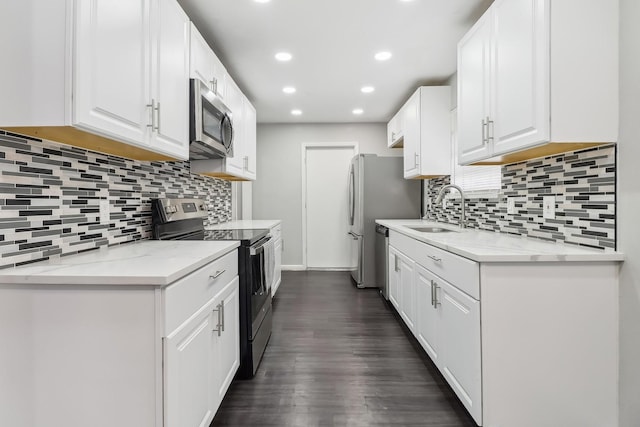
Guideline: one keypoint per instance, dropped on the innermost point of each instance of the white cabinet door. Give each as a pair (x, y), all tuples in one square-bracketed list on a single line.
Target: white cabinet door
[(189, 370), (406, 268), (411, 123), (235, 165), (250, 135), (201, 58), (111, 85), (226, 346), (460, 335), (474, 91), (277, 274), (520, 75), (394, 277), (427, 314), (205, 65), (170, 79), (395, 130)]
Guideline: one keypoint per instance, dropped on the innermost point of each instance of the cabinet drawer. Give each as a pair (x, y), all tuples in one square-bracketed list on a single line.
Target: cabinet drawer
[(187, 295), (459, 271)]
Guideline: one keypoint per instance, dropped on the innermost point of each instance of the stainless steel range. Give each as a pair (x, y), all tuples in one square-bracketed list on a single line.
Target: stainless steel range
[(182, 219)]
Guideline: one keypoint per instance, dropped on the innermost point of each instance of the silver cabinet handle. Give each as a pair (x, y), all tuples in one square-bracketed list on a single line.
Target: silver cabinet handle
[(395, 266), (214, 85), (153, 114), (158, 117), (219, 328), (433, 298), (393, 136), (484, 131), (246, 162), (217, 274), (434, 289), (489, 130), (222, 315), (416, 159), (436, 259)]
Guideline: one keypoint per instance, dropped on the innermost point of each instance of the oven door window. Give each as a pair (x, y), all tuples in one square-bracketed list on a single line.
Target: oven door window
[(212, 120)]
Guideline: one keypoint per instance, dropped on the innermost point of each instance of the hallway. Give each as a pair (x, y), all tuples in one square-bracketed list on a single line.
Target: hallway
[(339, 357)]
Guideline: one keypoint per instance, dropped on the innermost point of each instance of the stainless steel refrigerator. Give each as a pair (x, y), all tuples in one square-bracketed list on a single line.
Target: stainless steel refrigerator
[(377, 190)]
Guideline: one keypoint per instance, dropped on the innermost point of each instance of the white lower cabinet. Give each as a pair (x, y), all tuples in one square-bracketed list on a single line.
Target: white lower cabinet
[(189, 371), (460, 343), (120, 355), (427, 319), (524, 344), (201, 359), (226, 344), (445, 321)]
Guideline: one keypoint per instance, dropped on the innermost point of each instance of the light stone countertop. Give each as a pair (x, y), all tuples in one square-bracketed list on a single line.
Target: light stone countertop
[(246, 224), (487, 246), (146, 262)]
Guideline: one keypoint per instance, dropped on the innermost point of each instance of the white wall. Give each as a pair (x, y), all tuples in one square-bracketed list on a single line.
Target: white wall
[(277, 193), (629, 212)]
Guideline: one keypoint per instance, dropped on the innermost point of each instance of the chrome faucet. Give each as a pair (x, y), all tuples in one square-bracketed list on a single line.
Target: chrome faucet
[(463, 220)]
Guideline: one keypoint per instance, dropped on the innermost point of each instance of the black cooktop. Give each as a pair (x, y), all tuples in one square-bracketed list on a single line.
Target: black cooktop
[(249, 236)]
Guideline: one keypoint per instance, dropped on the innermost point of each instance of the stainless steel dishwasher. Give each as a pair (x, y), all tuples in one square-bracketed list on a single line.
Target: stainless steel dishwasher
[(382, 254)]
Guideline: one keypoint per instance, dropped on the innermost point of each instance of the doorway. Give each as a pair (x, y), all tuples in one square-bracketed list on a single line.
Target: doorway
[(325, 240)]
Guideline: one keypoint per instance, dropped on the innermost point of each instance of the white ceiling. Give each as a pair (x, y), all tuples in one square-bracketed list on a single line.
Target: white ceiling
[(333, 43)]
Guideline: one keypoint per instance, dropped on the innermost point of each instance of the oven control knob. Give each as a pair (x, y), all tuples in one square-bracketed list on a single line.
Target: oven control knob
[(202, 207)]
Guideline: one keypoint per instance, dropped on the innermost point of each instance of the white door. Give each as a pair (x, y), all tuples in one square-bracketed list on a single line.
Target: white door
[(474, 67), (189, 371), (170, 79), (411, 131), (227, 345), (460, 334), (111, 78), (521, 75), (427, 314), (394, 277), (326, 171), (406, 282)]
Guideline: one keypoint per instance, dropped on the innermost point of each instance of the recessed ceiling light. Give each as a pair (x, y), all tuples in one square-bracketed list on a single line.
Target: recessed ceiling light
[(296, 112), (383, 56), (267, 1), (289, 89), (283, 56), (358, 111), (367, 89)]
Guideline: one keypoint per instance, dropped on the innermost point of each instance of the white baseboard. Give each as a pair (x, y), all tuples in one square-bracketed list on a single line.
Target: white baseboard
[(303, 268)]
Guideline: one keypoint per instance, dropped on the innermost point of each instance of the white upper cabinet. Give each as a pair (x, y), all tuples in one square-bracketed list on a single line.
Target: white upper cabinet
[(112, 81), (170, 78), (242, 165), (537, 78), (426, 133), (114, 85), (129, 85), (394, 131), (205, 65), (474, 68)]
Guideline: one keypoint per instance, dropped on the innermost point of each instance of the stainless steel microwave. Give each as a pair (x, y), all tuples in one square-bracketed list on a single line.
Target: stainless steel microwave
[(210, 124)]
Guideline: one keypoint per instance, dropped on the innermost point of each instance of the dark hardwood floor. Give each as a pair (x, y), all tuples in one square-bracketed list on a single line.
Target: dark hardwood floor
[(338, 356)]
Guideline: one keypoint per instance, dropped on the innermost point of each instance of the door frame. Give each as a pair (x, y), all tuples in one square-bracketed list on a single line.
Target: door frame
[(303, 161)]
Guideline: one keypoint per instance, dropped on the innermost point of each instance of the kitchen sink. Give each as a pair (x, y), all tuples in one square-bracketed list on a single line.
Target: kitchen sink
[(424, 229)]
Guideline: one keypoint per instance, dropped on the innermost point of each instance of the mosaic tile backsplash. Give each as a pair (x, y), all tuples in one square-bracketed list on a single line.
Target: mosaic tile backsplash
[(584, 186), (50, 198)]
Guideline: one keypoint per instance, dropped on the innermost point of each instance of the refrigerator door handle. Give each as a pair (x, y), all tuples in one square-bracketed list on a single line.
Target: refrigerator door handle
[(355, 236), (352, 202)]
